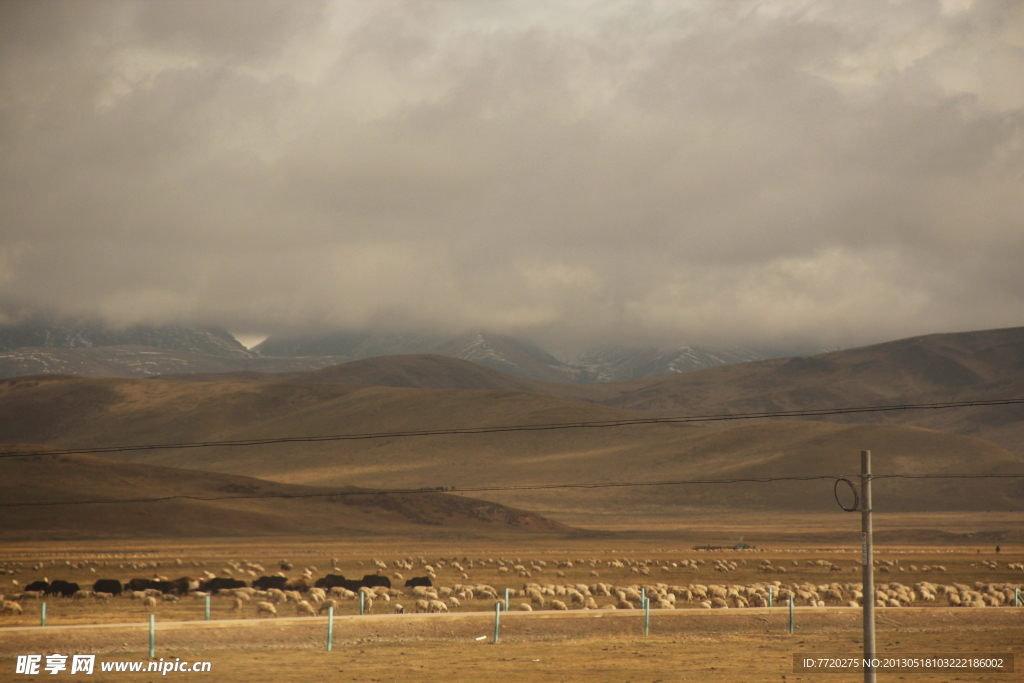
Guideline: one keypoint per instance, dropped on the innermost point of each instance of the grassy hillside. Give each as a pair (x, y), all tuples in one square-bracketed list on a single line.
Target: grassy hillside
[(345, 514), (932, 368), (78, 413)]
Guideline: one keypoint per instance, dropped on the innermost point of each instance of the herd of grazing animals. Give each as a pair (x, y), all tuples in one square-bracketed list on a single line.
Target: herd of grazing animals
[(271, 595)]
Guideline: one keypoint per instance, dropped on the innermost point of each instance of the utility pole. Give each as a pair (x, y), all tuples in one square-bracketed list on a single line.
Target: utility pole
[(867, 562)]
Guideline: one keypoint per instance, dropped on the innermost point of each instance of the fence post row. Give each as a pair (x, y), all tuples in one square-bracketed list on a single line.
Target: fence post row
[(330, 627), (497, 619), (647, 616)]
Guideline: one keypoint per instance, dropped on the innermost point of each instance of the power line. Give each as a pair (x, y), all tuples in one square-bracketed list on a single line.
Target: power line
[(525, 487), (525, 428)]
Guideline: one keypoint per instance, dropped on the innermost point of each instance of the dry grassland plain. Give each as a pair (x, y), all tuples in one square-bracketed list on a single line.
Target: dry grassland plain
[(688, 643)]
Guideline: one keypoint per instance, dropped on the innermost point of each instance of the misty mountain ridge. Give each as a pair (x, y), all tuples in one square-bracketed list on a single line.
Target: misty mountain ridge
[(51, 334), (41, 346), (607, 363), (614, 363), (146, 361)]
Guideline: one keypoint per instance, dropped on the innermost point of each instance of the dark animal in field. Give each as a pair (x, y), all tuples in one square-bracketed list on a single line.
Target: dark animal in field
[(112, 586), (38, 586), (418, 581), (222, 583), (297, 585), (330, 581), (265, 583), (374, 580), (63, 588), (138, 584), (183, 585)]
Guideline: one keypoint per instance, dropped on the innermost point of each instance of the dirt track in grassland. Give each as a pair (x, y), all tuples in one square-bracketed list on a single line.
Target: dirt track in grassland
[(733, 647)]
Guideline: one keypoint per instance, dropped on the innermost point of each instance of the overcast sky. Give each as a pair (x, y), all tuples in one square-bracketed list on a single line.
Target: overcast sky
[(741, 172)]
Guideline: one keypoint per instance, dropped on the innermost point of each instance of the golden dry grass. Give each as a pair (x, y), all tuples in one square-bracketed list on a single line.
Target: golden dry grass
[(81, 412)]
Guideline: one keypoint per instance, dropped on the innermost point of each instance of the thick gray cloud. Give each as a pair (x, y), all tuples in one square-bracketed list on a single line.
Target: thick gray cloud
[(743, 172)]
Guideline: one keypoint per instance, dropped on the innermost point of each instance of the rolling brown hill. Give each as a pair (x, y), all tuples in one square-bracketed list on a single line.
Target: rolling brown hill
[(421, 372), (346, 513), (78, 413), (933, 368)]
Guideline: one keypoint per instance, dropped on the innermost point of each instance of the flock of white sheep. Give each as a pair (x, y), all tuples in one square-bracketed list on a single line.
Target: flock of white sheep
[(534, 595)]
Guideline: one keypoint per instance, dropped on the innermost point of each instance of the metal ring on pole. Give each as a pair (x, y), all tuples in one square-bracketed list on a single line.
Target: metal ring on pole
[(853, 488)]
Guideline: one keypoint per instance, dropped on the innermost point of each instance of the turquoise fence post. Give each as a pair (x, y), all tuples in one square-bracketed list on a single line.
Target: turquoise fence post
[(152, 636), (42, 616), (362, 603), (497, 619), (207, 607), (506, 599), (330, 627), (769, 596), (791, 615), (1016, 597), (647, 616)]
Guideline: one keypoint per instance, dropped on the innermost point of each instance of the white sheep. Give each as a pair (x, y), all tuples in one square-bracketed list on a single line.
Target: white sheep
[(265, 608), (328, 604), (437, 606), (149, 603), (303, 608), (10, 607)]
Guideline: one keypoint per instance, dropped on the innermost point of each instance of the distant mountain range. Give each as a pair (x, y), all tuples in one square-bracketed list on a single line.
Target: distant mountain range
[(47, 347), (48, 334), (513, 356), (91, 349), (619, 363)]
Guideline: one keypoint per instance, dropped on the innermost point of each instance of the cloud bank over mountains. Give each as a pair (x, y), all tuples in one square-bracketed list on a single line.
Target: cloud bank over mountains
[(817, 173)]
